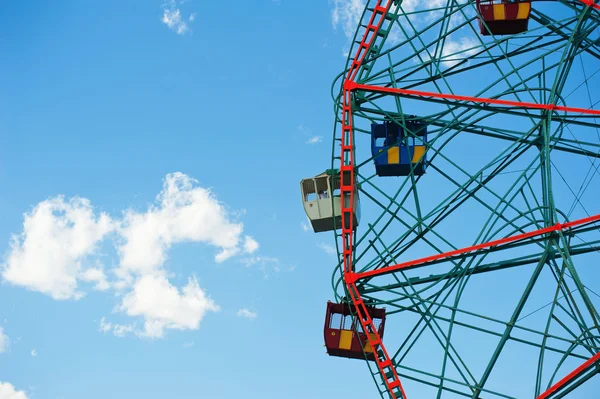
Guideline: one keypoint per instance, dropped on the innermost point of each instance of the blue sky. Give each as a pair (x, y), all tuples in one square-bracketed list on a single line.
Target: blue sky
[(152, 238), (220, 111)]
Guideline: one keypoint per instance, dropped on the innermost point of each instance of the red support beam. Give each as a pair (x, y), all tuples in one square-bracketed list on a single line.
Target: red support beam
[(383, 360), (569, 378), (353, 277), (591, 4), (479, 100)]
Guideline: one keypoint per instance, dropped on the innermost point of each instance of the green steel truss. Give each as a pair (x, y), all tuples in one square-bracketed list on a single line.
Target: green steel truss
[(504, 322)]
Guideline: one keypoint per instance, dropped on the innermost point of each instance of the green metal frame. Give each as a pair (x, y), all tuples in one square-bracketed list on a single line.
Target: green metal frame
[(513, 192)]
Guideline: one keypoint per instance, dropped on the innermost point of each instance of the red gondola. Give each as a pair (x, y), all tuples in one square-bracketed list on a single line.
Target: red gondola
[(343, 332), (503, 18)]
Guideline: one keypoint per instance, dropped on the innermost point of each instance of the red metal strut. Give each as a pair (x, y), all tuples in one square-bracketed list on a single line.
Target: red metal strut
[(574, 374), (591, 4), (418, 93), (353, 277), (384, 362), (347, 187)]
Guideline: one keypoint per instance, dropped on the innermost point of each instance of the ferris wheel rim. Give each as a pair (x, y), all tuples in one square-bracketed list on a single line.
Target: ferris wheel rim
[(339, 105)]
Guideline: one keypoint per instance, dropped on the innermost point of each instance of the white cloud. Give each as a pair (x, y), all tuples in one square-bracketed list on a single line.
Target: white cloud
[(245, 313), (310, 137), (347, 13), (188, 344), (327, 248), (440, 6), (250, 245), (185, 213), (34, 352), (96, 275), (395, 36), (266, 263), (314, 140), (163, 306), (226, 254), (4, 341), (57, 238), (57, 251), (173, 19), (105, 326), (304, 226), (455, 51), (8, 391), (410, 5), (118, 330)]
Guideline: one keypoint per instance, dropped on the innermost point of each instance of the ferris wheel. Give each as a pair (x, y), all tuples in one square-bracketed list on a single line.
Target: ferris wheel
[(463, 197)]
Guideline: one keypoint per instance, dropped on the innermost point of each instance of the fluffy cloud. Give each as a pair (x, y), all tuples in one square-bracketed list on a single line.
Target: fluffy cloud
[(57, 250), (327, 248), (4, 341), (304, 226), (184, 213), (173, 18), (455, 50), (96, 275), (119, 330), (105, 326), (314, 140), (57, 237), (347, 13), (410, 5), (247, 314), (265, 263), (163, 306), (250, 245), (310, 137), (8, 391)]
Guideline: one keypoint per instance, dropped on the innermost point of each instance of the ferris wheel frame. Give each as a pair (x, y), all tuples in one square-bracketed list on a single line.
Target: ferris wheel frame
[(352, 89)]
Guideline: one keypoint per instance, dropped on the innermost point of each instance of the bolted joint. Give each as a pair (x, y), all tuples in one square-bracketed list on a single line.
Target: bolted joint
[(350, 85), (350, 277)]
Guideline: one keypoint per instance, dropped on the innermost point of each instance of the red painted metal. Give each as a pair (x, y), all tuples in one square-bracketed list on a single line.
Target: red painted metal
[(591, 3), (481, 100), (347, 188), (574, 374), (382, 359), (353, 277), (333, 332)]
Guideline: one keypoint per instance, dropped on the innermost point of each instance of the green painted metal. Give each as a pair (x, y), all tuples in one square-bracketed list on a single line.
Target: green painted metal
[(455, 326)]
